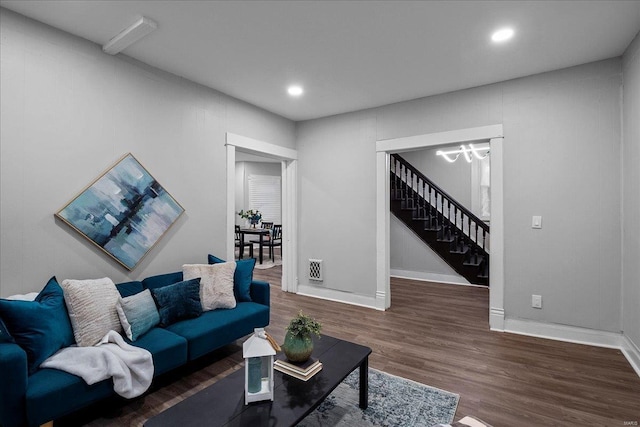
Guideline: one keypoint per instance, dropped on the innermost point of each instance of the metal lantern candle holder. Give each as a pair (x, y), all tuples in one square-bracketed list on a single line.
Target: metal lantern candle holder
[(258, 367)]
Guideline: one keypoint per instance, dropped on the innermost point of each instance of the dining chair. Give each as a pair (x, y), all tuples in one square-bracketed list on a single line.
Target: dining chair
[(275, 240), (269, 226), (241, 246)]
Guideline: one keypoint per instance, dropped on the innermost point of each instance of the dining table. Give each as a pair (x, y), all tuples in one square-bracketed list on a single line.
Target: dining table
[(261, 232)]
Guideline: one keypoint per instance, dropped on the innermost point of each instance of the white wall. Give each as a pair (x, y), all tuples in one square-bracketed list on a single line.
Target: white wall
[(243, 170), (562, 161), (631, 193), (68, 112)]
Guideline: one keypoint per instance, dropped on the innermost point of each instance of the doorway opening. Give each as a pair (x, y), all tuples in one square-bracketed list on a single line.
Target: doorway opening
[(238, 145), (439, 229), (490, 134)]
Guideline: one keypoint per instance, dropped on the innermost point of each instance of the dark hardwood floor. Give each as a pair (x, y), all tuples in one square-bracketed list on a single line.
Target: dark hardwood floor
[(437, 335)]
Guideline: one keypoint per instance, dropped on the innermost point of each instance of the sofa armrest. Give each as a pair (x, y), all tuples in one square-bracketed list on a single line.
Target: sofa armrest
[(13, 387), (260, 292)]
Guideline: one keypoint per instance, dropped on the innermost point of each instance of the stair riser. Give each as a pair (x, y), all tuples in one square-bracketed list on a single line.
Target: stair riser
[(432, 232)]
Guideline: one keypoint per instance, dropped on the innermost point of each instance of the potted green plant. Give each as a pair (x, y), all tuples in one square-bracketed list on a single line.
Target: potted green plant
[(252, 216), (298, 344)]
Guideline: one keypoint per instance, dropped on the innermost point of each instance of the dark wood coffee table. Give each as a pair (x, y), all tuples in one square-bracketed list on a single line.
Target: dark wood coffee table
[(222, 403)]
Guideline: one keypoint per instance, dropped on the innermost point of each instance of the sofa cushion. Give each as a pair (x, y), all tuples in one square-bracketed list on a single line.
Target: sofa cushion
[(138, 314), (161, 280), (168, 349), (5, 336), (216, 283), (241, 278), (40, 327), (127, 289), (220, 327), (53, 393), (178, 301), (92, 308), (13, 385)]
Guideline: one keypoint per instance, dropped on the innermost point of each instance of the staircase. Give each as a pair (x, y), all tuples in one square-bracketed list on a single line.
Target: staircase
[(459, 237)]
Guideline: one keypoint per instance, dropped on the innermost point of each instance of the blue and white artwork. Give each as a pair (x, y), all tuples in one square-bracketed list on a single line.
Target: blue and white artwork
[(124, 212)]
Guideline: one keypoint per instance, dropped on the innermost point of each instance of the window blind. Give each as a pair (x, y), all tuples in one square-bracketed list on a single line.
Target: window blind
[(265, 195)]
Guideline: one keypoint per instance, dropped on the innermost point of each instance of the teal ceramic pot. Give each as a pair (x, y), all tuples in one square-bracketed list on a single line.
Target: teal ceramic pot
[(297, 349)]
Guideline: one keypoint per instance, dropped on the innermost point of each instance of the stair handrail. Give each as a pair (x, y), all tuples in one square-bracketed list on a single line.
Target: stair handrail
[(446, 195)]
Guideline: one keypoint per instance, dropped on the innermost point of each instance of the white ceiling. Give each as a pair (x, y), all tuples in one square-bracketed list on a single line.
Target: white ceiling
[(350, 55)]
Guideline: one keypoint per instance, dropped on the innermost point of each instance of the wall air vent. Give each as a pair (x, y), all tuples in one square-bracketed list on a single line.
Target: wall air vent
[(316, 271)]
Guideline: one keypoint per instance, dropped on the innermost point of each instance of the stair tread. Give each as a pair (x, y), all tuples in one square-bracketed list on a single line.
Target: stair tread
[(449, 241), (460, 251)]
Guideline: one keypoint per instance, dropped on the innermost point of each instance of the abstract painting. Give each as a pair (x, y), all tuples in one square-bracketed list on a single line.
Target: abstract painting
[(124, 212)]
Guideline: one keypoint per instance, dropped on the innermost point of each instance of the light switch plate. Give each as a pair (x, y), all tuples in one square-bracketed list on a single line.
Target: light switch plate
[(536, 301), (536, 222)]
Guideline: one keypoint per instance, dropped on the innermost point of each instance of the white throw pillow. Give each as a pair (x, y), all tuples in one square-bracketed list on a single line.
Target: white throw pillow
[(92, 309), (216, 283)]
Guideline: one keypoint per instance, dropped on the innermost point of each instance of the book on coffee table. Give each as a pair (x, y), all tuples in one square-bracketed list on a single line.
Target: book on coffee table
[(302, 371)]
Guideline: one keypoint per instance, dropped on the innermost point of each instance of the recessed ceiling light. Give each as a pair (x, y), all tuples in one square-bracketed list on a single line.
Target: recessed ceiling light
[(295, 90), (501, 35)]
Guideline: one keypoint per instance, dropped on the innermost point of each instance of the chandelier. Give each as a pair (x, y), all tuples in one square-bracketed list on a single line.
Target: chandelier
[(479, 152)]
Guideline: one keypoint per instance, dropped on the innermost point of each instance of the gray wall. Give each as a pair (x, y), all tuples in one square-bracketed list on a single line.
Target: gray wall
[(562, 156), (68, 112), (411, 257), (631, 193), (454, 178)]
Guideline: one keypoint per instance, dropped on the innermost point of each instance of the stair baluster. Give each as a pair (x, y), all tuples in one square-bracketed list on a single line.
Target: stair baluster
[(454, 237)]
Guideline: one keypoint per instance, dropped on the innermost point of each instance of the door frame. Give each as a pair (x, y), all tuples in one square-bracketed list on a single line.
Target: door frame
[(384, 148), (289, 167)]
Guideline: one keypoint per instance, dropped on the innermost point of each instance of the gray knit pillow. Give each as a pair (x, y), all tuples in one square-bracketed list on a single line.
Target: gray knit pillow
[(92, 309), (216, 283)]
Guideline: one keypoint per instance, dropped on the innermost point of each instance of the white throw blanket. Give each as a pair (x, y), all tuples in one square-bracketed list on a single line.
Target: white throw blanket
[(130, 367)]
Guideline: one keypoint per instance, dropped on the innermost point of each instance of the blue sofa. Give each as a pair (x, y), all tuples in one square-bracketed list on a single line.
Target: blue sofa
[(48, 394)]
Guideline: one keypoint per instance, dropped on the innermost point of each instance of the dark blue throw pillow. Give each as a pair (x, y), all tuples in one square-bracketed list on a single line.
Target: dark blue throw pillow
[(241, 278), (5, 336), (178, 301), (40, 327)]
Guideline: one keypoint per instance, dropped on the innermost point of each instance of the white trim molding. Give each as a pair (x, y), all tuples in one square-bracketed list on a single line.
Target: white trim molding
[(632, 352), (341, 296), (460, 136), (383, 220), (554, 331), (423, 276), (384, 148), (496, 260), (254, 146), (289, 161), (496, 317)]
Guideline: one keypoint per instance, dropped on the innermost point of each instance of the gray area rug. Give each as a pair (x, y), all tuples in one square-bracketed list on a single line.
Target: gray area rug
[(393, 401)]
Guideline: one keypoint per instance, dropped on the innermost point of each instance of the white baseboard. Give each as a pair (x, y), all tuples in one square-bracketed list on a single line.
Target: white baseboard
[(429, 277), (338, 296), (632, 352), (576, 335), (496, 319), (565, 333)]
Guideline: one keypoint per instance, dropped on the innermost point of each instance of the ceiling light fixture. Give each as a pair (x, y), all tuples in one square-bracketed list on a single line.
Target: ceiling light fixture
[(295, 90), (129, 36), (502, 35), (466, 151)]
